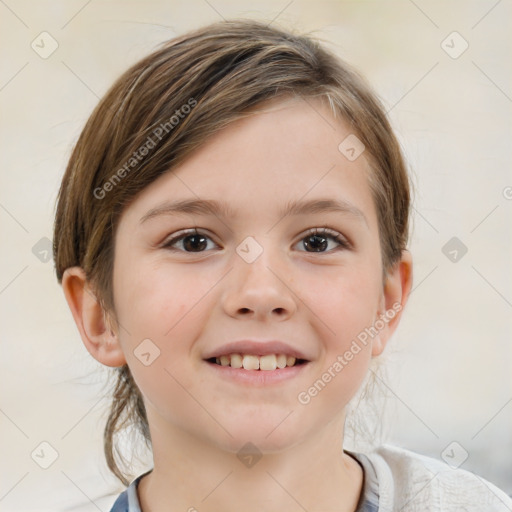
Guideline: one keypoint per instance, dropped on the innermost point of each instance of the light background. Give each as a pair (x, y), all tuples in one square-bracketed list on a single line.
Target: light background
[(449, 365)]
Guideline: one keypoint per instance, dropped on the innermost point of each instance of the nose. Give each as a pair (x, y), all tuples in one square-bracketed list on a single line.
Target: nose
[(258, 290)]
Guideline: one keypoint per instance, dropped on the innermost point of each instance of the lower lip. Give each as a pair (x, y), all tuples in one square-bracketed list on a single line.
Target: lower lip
[(257, 377)]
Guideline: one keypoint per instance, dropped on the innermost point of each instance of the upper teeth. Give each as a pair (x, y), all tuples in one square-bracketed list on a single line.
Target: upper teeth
[(250, 362)]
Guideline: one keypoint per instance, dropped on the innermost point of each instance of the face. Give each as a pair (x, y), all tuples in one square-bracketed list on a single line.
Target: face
[(252, 278)]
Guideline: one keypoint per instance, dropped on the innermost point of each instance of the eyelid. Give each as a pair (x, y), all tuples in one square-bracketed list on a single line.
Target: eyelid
[(343, 242), (183, 233)]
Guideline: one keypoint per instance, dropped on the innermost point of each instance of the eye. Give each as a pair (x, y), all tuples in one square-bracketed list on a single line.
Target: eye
[(317, 240), (190, 241)]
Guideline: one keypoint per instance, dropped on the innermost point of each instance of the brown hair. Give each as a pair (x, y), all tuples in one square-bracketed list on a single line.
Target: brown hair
[(166, 106)]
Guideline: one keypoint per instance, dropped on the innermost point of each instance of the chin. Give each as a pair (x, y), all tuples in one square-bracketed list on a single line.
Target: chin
[(269, 433)]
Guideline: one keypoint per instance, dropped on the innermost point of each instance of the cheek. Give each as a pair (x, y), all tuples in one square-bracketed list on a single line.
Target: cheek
[(166, 307), (157, 309), (344, 301), (152, 300), (345, 307)]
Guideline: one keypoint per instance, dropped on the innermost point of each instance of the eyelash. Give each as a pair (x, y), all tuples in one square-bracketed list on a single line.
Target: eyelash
[(344, 244)]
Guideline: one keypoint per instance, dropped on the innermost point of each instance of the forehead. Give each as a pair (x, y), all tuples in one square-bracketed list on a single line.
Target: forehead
[(283, 152)]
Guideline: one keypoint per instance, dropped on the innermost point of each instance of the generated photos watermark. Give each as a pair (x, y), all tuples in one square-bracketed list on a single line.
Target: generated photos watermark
[(362, 339), (145, 149)]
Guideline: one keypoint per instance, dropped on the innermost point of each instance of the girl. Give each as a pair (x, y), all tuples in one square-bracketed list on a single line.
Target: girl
[(231, 235)]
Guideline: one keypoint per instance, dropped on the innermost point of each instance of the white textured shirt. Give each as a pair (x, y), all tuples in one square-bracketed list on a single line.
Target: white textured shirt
[(409, 482)]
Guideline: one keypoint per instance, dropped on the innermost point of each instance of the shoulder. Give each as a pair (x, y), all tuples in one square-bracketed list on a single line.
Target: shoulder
[(412, 482)]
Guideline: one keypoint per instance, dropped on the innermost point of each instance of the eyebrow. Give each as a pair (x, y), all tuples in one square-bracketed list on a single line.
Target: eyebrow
[(217, 209)]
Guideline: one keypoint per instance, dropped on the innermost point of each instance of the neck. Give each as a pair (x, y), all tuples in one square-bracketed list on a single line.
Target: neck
[(191, 474)]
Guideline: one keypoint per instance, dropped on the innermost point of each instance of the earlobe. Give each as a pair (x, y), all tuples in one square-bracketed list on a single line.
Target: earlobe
[(90, 318), (397, 288)]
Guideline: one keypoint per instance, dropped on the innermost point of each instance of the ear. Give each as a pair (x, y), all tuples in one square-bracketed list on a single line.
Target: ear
[(396, 290), (91, 319)]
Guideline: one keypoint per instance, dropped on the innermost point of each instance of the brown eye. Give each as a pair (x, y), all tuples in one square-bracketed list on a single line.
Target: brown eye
[(318, 241), (188, 242), (194, 243)]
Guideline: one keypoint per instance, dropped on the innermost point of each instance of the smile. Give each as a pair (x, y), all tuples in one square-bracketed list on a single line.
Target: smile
[(268, 362)]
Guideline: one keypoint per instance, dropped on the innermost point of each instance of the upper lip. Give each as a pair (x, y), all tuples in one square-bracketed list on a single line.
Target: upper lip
[(257, 348)]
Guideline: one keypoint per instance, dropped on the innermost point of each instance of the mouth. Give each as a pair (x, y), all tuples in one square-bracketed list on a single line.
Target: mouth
[(252, 362), (257, 363)]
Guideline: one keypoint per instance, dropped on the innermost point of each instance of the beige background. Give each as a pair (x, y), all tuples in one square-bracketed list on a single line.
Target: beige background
[(449, 369)]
